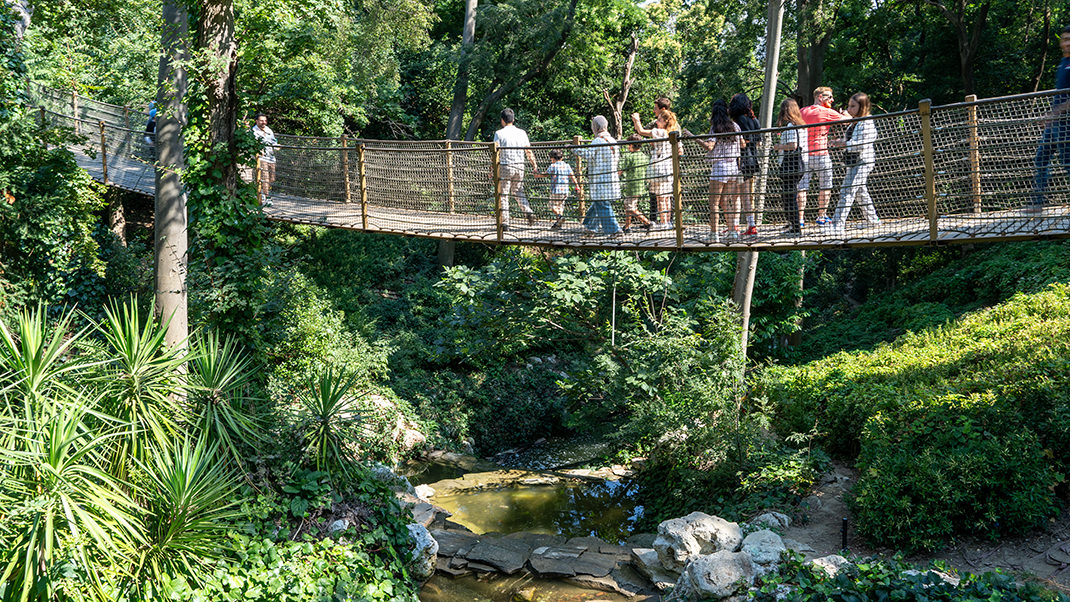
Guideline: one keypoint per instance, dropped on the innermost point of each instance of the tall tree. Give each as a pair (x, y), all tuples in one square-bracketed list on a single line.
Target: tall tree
[(218, 72), (170, 234), (24, 10), (816, 21), (616, 102), (968, 19), (460, 86)]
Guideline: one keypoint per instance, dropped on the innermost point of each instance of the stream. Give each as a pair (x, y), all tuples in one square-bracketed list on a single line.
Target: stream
[(518, 493)]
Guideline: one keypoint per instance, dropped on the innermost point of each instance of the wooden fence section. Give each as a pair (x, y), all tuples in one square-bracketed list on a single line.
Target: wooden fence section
[(936, 174)]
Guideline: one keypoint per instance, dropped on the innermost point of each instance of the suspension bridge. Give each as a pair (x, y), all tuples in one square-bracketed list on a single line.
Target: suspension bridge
[(962, 172)]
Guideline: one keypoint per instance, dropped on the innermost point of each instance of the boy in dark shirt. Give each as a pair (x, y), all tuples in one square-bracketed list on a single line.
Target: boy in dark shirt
[(1056, 137)]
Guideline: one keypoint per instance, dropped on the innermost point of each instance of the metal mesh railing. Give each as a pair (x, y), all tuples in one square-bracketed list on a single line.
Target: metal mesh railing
[(967, 171)]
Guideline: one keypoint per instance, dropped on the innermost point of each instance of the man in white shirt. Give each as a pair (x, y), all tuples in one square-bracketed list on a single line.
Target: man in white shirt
[(265, 136), (513, 145)]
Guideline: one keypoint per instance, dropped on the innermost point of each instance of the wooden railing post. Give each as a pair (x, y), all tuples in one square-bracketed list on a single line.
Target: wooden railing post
[(579, 176), (975, 154), (496, 179), (256, 177), (345, 170), (74, 107), (362, 167), (103, 154), (925, 116), (677, 188), (449, 176)]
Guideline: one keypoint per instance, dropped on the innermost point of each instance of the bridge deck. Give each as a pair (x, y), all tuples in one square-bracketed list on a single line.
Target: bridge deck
[(955, 174)]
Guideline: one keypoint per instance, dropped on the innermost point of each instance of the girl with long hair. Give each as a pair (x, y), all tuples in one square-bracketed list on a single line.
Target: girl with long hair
[(792, 147), (859, 158), (742, 113), (723, 151), (660, 171)]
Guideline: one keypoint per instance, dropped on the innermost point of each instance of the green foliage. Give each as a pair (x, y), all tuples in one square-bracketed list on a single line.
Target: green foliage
[(948, 467), (1017, 351), (873, 579), (328, 421)]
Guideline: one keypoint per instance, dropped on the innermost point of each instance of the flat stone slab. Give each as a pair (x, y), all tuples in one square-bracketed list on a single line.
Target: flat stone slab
[(507, 559), (585, 543), (446, 567), (537, 540), (452, 543), (594, 564)]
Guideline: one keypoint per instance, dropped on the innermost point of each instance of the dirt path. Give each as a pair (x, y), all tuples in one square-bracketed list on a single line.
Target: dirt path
[(1043, 555)]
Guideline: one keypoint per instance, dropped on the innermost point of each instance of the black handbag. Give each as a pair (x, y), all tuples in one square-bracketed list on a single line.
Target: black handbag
[(851, 158)]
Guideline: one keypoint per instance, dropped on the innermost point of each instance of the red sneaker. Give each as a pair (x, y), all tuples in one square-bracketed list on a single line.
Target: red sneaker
[(752, 231)]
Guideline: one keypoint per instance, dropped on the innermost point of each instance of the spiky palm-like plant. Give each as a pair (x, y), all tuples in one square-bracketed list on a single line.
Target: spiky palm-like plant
[(53, 491), (219, 388), (190, 495), (330, 422), (140, 382), (34, 360)]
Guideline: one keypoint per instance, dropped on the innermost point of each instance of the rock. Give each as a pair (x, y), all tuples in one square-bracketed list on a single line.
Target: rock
[(585, 543), (645, 560), (811, 502), (641, 540), (698, 533), (524, 594), (771, 520), (554, 562), (594, 563), (831, 564), (764, 548), (394, 481), (447, 566), (424, 554), (337, 526), (714, 576), (424, 492), (454, 543), (798, 546), (504, 558), (537, 540), (932, 573)]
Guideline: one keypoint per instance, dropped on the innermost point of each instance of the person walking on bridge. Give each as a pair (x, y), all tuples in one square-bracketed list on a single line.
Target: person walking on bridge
[(266, 161), (602, 165), (513, 146), (1056, 136), (820, 164)]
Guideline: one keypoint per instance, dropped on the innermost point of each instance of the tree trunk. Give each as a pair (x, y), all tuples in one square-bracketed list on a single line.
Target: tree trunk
[(616, 103), (116, 215), (969, 37), (1044, 57), (170, 232), (215, 35), (499, 88), (812, 42), (460, 86)]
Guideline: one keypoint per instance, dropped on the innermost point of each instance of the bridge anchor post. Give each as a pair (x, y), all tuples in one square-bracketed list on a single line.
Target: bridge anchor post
[(363, 168), (345, 170), (975, 153), (925, 116), (496, 177), (677, 188), (103, 155)]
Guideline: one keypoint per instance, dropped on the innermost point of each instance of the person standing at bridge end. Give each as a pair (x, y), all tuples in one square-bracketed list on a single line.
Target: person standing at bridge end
[(266, 161), (820, 164), (513, 146), (1056, 136)]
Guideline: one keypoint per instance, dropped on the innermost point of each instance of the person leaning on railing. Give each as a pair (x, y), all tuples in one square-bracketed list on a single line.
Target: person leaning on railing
[(265, 136), (793, 156), (1056, 136)]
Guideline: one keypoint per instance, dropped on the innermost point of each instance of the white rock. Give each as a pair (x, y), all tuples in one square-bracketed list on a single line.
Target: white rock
[(424, 553), (424, 492), (714, 576), (337, 526), (772, 520), (798, 546), (698, 533), (946, 578), (831, 564), (394, 481), (764, 548), (645, 560)]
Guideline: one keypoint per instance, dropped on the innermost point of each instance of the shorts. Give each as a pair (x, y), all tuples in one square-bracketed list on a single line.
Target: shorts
[(821, 165), (661, 185), (725, 171), (631, 204), (557, 203)]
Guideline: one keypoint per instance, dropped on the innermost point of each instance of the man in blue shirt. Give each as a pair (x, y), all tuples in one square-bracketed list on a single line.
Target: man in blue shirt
[(1056, 138)]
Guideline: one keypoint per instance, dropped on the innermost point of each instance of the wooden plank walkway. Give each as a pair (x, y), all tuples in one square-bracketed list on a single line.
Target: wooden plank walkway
[(136, 174)]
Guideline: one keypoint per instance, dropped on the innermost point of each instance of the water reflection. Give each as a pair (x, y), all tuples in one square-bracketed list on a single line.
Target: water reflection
[(604, 509), (507, 589)]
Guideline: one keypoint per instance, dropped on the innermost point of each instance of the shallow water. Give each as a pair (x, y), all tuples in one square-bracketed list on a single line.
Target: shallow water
[(502, 589), (606, 510)]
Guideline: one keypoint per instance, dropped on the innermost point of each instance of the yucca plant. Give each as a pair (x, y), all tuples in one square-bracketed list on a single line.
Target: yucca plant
[(220, 397), (34, 358), (329, 421), (56, 500), (140, 381), (188, 496)]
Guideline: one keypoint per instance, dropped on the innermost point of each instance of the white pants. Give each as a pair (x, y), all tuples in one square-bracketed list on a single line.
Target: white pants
[(854, 186)]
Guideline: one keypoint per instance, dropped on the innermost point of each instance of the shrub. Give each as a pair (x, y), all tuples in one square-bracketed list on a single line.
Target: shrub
[(947, 467)]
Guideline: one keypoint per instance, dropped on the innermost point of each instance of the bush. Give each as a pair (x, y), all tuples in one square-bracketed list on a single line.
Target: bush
[(893, 580), (951, 466)]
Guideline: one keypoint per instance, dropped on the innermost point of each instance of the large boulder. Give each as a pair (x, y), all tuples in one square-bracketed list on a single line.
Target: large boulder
[(714, 577), (831, 564), (764, 548), (771, 520), (698, 533), (424, 553), (399, 484)]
